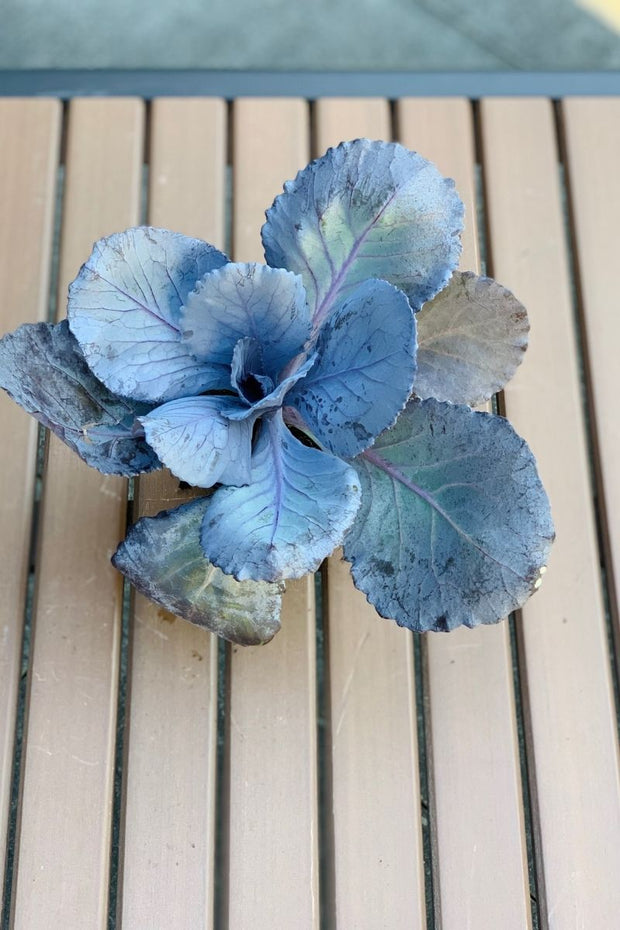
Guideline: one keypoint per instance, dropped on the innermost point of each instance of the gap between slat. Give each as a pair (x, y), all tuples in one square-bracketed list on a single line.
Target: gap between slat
[(327, 905), (222, 790), (427, 804), (12, 851), (222, 774), (327, 891), (118, 800)]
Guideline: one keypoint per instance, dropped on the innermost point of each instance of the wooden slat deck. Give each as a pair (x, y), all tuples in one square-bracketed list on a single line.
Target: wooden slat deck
[(348, 776)]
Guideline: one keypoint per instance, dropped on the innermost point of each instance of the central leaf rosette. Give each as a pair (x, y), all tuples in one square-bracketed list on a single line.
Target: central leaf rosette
[(229, 367)]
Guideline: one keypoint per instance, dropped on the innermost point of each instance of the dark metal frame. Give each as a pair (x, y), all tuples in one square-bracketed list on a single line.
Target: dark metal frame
[(310, 84)]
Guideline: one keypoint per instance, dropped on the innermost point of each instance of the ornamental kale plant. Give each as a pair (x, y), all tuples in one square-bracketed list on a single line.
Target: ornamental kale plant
[(319, 400)]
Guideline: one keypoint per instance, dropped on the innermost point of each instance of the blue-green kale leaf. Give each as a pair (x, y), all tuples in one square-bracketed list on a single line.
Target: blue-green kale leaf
[(454, 527), (364, 370), (293, 513), (42, 368), (366, 210), (125, 311), (247, 300)]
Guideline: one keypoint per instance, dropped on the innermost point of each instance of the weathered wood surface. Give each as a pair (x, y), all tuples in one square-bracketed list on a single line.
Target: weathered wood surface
[(592, 139), (272, 821), (68, 764), (570, 706), (372, 728), (315, 827), (168, 835), (29, 141), (471, 708)]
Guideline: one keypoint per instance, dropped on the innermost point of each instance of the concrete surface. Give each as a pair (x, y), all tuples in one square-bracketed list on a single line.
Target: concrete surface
[(306, 34)]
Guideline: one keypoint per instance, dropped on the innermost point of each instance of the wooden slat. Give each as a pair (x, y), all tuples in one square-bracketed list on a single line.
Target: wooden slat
[(168, 830), (477, 810), (574, 754), (441, 129), (64, 841), (29, 137), (273, 867), (592, 133), (376, 798)]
